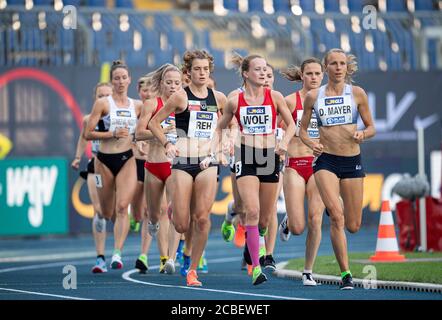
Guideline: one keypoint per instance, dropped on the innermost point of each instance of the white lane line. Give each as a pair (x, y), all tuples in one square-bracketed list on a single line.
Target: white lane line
[(44, 294), (50, 257), (127, 274), (46, 265)]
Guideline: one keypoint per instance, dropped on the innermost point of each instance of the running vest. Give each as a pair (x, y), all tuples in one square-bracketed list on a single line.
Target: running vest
[(200, 117), (312, 130), (259, 119), (120, 117), (337, 110), (171, 136)]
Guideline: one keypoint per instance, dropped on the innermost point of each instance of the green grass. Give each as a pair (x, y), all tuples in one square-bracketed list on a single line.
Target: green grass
[(421, 271)]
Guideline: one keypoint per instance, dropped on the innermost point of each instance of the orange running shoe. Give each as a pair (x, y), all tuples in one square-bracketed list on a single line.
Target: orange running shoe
[(240, 236), (192, 279)]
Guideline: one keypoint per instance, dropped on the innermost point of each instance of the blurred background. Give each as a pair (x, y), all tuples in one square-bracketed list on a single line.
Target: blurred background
[(53, 52)]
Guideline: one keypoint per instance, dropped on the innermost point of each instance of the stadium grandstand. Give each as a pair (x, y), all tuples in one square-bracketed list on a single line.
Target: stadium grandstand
[(406, 34)]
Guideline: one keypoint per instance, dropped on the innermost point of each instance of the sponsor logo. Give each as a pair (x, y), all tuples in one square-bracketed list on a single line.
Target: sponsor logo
[(331, 101), (202, 134), (212, 108), (358, 167), (335, 120), (255, 110), (123, 113), (259, 129), (204, 116)]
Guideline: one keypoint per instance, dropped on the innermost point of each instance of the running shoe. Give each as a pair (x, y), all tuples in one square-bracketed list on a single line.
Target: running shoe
[(134, 224), (307, 280), (228, 231), (185, 265), (202, 265), (153, 228), (99, 223), (347, 283), (283, 229), (169, 267), (263, 231), (240, 236), (258, 276), (116, 262), (141, 264), (192, 279), (163, 261), (100, 266), (269, 263)]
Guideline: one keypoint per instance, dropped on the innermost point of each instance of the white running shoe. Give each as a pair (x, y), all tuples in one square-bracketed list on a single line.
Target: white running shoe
[(283, 229), (116, 262), (99, 224), (153, 228), (307, 280), (169, 267), (100, 266)]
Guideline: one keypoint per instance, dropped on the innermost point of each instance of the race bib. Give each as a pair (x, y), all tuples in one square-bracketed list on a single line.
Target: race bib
[(312, 130), (334, 111), (202, 124), (170, 136), (256, 119)]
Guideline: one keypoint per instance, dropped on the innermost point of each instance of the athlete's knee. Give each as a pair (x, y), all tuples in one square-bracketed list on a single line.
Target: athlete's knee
[(121, 208), (353, 226), (202, 223), (336, 219), (252, 213), (296, 228), (314, 221), (181, 227)]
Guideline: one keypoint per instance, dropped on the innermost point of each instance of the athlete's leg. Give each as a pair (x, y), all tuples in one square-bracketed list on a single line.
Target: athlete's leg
[(328, 186)]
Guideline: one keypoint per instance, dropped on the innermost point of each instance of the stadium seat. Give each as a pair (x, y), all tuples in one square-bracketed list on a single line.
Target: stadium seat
[(423, 5), (16, 2), (307, 5), (331, 6), (396, 6), (42, 2), (96, 3), (256, 6), (356, 5), (76, 3), (124, 4), (282, 6), (231, 5)]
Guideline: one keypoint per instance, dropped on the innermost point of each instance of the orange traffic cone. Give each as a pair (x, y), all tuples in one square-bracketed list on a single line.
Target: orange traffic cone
[(387, 249)]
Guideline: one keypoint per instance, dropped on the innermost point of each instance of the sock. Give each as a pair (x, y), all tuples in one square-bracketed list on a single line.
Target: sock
[(263, 231), (308, 271), (117, 251), (262, 246), (343, 274), (230, 213), (253, 244), (101, 256)]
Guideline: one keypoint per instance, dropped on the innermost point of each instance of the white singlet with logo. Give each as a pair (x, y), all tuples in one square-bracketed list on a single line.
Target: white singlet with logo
[(256, 119), (122, 117), (202, 124), (336, 110)]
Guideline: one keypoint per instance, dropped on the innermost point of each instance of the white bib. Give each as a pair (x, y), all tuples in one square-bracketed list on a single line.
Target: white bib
[(334, 111), (122, 117), (312, 130), (256, 119), (171, 136), (202, 124)]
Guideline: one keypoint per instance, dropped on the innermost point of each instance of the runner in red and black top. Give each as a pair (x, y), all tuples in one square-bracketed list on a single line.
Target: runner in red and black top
[(166, 80), (298, 177), (196, 114), (257, 158)]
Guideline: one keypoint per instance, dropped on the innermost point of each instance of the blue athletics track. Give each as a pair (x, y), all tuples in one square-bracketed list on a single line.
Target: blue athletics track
[(32, 269)]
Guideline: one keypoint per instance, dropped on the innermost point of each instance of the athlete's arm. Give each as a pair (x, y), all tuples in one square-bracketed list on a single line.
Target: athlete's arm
[(177, 101), (309, 101), (142, 133), (99, 109), (364, 111), (81, 145)]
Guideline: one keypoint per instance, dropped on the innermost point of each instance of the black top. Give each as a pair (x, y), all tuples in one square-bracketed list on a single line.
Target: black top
[(205, 104)]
